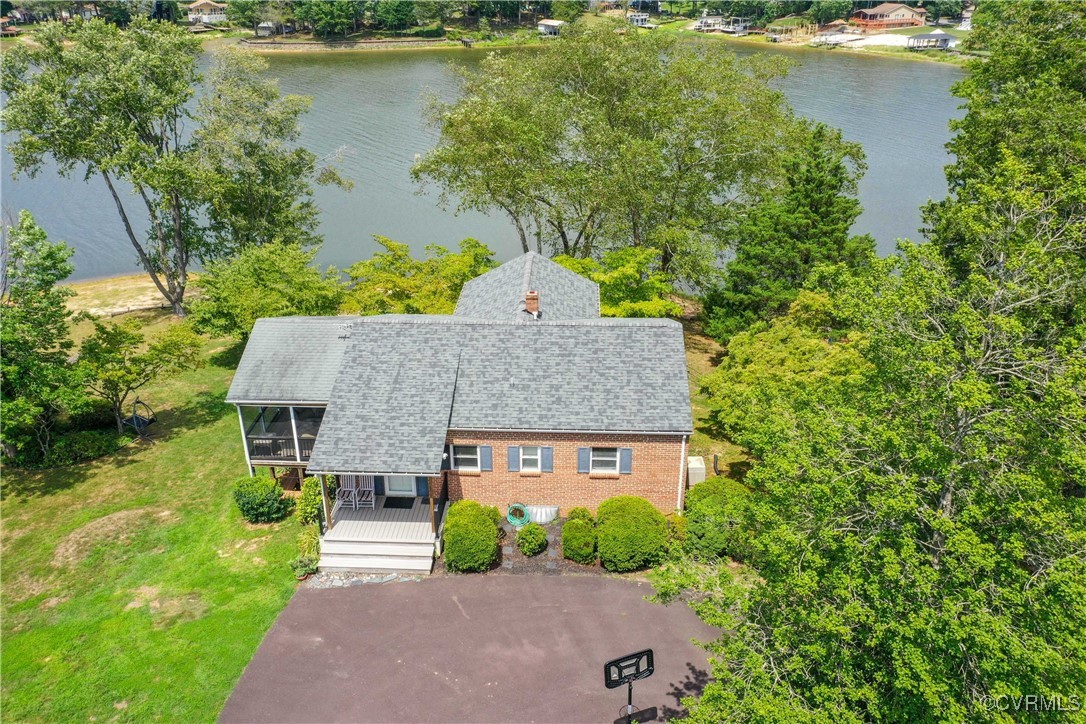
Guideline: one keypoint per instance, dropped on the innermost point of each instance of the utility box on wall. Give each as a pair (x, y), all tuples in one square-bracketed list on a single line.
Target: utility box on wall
[(695, 470)]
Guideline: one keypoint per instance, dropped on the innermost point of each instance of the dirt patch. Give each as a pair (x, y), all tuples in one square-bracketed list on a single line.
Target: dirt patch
[(117, 526), (52, 602), (24, 586), (167, 610)]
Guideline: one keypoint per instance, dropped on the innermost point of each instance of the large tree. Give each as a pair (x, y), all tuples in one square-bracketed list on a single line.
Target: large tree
[(36, 381), (116, 104), (782, 239), (329, 17), (604, 140)]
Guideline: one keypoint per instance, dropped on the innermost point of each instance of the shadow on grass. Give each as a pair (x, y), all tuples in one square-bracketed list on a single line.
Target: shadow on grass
[(201, 410), (691, 685), (229, 356)]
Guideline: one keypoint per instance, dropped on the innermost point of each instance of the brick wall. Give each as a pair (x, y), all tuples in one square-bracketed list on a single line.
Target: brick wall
[(655, 471)]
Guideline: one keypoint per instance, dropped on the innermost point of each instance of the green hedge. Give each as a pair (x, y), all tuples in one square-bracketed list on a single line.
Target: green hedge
[(471, 538), (579, 541), (261, 500), (581, 514), (532, 539), (632, 534), (70, 448), (714, 510), (310, 501)]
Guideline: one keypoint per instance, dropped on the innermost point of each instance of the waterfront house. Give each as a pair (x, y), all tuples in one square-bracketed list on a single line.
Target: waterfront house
[(887, 16), (640, 20), (523, 395), (550, 27), (266, 29), (207, 12)]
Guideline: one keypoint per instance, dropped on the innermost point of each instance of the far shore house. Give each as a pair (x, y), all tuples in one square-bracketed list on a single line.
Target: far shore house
[(207, 12), (550, 27), (523, 395), (888, 16)]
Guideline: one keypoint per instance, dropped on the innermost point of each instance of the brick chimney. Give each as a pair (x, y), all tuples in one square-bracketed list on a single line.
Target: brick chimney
[(531, 302)]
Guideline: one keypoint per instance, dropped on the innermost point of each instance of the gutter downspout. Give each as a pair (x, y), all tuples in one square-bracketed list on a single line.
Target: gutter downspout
[(682, 461)]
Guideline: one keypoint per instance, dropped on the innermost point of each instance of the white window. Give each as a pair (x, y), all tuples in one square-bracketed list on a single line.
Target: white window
[(529, 458), (604, 460), (465, 457)]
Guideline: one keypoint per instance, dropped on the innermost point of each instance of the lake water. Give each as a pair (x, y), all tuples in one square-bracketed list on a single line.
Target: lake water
[(370, 103)]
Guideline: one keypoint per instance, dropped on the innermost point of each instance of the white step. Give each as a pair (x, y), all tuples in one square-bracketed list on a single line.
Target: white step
[(358, 547), (376, 563)]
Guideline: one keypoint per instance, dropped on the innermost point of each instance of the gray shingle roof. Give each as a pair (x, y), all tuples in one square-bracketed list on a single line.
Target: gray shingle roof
[(395, 384), (390, 405), (408, 378), (291, 359), (499, 294)]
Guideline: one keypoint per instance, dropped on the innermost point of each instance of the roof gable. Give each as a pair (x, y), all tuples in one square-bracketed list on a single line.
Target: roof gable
[(499, 294)]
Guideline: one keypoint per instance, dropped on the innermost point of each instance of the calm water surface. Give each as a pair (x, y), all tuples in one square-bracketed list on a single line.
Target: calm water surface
[(370, 104)]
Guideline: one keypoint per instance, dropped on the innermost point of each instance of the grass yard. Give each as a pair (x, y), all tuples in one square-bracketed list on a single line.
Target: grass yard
[(132, 587)]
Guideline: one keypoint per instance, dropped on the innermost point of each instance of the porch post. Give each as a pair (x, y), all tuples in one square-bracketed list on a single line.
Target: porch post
[(327, 505), (245, 442), (433, 516), (294, 429)]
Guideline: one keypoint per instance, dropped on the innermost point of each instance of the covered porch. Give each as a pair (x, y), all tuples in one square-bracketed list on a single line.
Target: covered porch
[(381, 522)]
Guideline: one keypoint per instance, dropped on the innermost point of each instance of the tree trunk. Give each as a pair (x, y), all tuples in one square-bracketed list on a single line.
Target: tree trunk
[(117, 416)]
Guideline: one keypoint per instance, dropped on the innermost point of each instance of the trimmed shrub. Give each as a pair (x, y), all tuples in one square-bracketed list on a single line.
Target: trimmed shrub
[(676, 529), (579, 541), (713, 521), (471, 538), (711, 487), (581, 514), (303, 566), (532, 539), (261, 500), (631, 534), (494, 514), (310, 501)]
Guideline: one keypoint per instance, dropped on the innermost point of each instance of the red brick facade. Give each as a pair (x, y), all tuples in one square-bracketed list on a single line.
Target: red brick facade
[(658, 466)]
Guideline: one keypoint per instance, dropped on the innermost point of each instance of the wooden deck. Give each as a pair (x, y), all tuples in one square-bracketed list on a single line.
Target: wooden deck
[(385, 525)]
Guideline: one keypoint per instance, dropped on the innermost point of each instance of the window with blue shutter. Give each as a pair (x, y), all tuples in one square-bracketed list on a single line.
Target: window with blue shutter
[(625, 460), (486, 458), (379, 484), (546, 459), (584, 459), (422, 486), (514, 459)]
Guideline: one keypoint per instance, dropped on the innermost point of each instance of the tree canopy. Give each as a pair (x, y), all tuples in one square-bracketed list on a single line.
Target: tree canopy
[(630, 286), (36, 383), (394, 282), (783, 238), (603, 140), (272, 280)]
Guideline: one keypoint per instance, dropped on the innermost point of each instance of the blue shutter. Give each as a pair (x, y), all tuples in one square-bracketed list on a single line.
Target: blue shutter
[(379, 484), (446, 459), (422, 486), (486, 458), (625, 460), (584, 459), (514, 459), (546, 459)]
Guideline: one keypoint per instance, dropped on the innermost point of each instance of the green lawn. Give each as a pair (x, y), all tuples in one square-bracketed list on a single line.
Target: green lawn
[(920, 30), (132, 588)]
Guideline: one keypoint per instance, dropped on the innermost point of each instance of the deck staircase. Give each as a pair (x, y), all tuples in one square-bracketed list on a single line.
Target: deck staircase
[(378, 539), (362, 555)]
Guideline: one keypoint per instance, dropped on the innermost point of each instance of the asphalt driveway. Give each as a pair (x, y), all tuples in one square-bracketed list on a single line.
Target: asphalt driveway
[(468, 649)]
